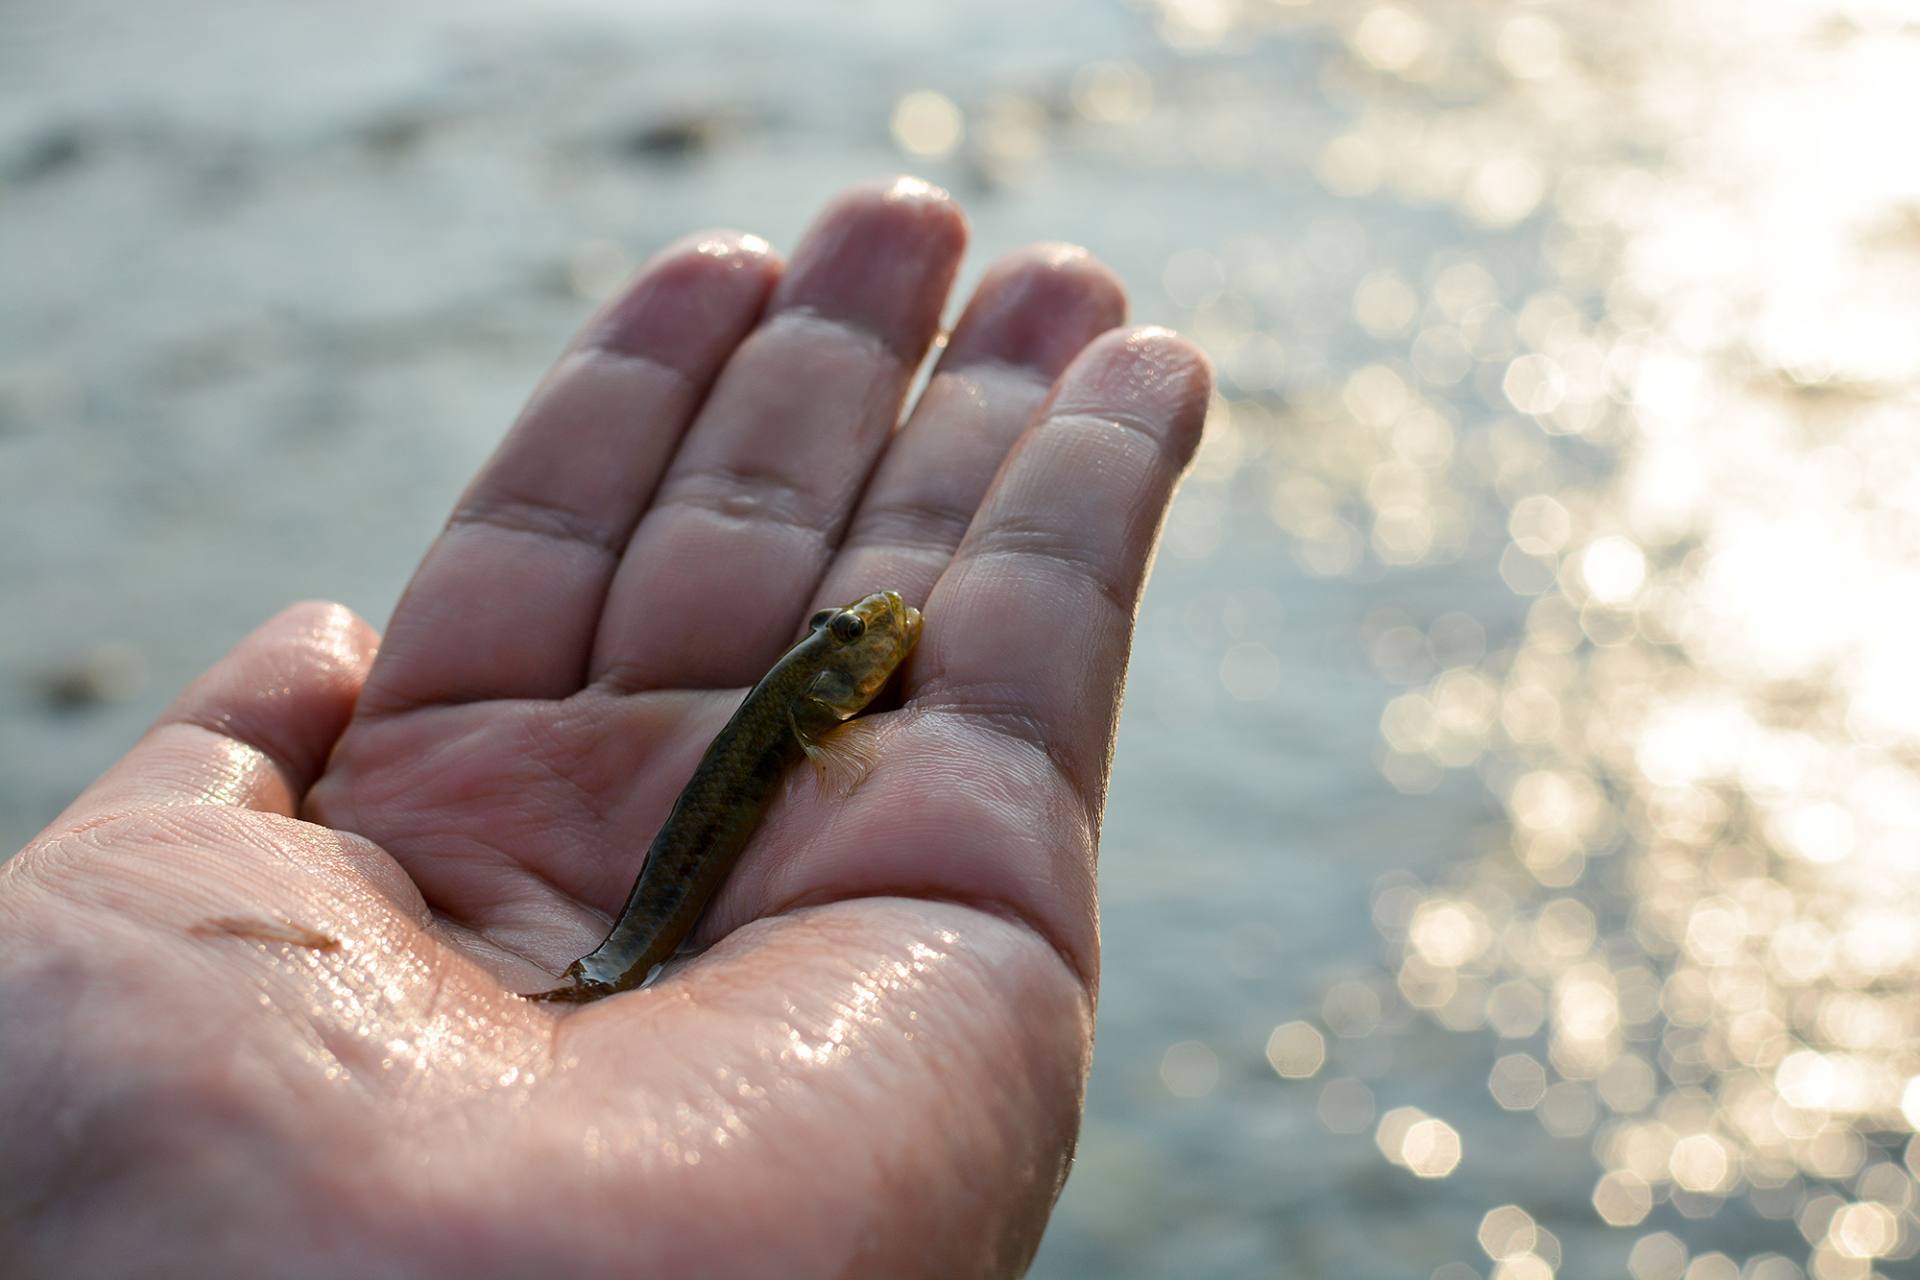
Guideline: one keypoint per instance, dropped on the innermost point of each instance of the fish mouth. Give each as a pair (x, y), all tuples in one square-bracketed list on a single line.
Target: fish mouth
[(906, 621)]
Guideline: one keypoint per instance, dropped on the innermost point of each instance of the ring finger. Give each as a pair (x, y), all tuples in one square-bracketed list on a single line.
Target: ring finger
[(1033, 312), (757, 498)]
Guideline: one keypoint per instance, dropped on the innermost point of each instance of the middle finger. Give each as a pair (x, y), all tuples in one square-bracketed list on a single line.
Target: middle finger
[(1033, 312), (754, 503)]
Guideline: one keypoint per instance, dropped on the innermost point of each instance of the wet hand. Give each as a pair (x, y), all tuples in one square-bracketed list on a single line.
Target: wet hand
[(259, 982)]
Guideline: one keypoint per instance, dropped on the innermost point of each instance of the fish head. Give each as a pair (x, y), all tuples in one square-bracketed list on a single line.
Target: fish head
[(865, 643)]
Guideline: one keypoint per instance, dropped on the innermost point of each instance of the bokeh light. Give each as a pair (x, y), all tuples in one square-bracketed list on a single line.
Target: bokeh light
[(1567, 385)]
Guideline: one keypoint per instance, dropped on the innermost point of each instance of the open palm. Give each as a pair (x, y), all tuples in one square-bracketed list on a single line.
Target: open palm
[(259, 981)]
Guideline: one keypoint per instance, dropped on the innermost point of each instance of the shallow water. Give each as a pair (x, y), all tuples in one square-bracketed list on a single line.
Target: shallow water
[(1511, 866)]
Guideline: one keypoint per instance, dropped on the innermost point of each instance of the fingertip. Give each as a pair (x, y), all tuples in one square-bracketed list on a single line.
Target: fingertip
[(725, 246), (321, 614), (702, 285), (880, 257), (1036, 308), (288, 688), (916, 197), (1151, 375), (903, 213), (1163, 363), (328, 633)]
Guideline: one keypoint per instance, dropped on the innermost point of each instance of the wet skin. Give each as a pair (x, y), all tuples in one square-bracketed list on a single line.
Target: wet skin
[(261, 985)]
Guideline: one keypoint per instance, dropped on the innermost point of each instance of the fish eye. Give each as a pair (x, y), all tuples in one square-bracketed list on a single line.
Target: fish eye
[(847, 627), (821, 619)]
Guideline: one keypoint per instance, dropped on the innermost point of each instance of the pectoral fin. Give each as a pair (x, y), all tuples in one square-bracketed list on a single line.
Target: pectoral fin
[(842, 755)]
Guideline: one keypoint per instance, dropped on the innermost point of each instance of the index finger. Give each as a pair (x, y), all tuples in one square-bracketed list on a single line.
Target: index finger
[(1029, 628)]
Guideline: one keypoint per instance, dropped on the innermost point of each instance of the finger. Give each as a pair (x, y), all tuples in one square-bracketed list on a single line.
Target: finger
[(254, 731), (505, 603), (756, 500), (1032, 313), (1000, 753), (1028, 629)]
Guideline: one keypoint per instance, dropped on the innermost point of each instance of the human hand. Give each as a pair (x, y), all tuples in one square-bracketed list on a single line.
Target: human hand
[(258, 983)]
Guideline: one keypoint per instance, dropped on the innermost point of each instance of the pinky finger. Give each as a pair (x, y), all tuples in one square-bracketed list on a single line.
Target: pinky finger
[(1030, 626)]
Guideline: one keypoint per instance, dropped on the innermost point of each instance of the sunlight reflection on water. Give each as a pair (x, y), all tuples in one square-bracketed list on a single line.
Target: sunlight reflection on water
[(1697, 945)]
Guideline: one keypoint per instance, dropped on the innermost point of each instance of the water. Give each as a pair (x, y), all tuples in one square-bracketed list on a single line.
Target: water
[(1511, 863)]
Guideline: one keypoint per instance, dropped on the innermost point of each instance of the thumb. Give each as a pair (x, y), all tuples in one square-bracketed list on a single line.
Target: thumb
[(254, 731)]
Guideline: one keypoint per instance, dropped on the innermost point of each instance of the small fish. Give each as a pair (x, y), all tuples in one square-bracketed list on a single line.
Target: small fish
[(845, 659)]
